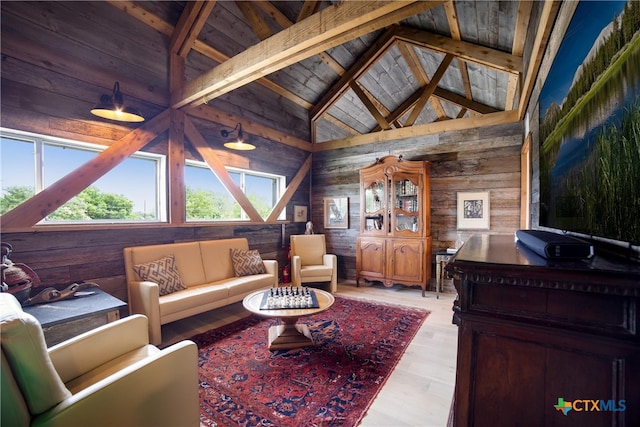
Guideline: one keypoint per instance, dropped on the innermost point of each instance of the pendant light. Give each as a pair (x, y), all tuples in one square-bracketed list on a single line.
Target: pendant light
[(112, 107), (238, 142)]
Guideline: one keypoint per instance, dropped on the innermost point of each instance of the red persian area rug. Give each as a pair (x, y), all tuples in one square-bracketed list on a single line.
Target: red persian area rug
[(357, 346)]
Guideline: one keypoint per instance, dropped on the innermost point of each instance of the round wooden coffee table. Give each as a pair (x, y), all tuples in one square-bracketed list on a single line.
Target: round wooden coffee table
[(289, 334)]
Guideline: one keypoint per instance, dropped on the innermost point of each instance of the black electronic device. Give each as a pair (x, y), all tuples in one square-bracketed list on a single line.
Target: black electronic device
[(554, 246)]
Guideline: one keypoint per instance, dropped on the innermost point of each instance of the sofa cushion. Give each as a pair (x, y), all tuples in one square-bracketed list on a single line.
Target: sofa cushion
[(194, 296), (241, 286), (246, 263), (24, 346), (216, 258), (162, 271), (187, 255)]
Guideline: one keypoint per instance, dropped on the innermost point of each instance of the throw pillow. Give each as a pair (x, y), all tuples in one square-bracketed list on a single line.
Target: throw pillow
[(164, 272), (246, 263)]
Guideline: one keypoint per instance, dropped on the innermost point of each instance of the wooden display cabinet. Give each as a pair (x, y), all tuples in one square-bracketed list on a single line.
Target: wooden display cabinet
[(394, 245)]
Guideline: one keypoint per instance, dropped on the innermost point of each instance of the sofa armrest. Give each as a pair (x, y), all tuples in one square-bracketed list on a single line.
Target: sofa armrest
[(330, 260), (161, 390), (296, 265), (80, 354), (271, 265), (144, 298)]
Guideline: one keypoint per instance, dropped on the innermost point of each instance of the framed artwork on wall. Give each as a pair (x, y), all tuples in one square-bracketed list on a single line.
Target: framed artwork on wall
[(473, 211), (336, 212), (299, 214)]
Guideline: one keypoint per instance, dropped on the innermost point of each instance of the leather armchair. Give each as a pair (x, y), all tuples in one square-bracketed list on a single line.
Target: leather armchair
[(310, 261), (110, 376)]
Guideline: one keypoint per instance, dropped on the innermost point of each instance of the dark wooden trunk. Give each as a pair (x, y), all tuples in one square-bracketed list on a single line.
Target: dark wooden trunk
[(533, 331)]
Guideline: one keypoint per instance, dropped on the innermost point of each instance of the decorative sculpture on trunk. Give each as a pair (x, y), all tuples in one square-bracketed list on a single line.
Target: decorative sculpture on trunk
[(19, 280)]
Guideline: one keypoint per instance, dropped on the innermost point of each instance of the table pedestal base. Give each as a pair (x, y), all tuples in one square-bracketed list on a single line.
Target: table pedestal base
[(289, 335)]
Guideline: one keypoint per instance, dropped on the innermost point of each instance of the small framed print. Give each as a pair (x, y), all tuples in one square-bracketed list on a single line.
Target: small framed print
[(336, 212), (473, 211), (299, 214)]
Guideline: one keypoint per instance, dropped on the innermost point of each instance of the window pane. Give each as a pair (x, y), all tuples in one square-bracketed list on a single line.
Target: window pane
[(113, 196), (262, 192), (18, 172), (206, 197), (134, 190)]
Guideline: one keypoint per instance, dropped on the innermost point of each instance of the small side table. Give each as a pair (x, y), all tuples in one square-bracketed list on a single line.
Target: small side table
[(442, 258), (65, 319)]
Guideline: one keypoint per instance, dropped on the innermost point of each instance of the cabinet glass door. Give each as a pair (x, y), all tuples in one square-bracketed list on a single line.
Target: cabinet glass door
[(406, 193), (374, 206)]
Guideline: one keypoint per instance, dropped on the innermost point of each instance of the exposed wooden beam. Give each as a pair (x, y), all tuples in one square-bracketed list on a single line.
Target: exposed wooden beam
[(255, 20), (57, 194), (549, 12), (291, 189), (274, 13), (444, 94), (218, 168), (519, 38), (165, 28), (284, 22), (380, 107), (182, 30), (218, 116), (409, 54), (454, 28), (483, 55), (369, 105), (367, 60), (522, 25), (429, 89), (340, 124), (464, 102), (321, 31), (308, 8), (498, 118), (175, 169)]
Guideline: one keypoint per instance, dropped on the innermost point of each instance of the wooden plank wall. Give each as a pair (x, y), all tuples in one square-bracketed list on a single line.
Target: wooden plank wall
[(63, 257), (484, 159)]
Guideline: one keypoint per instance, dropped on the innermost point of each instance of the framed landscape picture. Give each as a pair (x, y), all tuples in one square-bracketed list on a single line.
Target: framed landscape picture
[(473, 211), (336, 212)]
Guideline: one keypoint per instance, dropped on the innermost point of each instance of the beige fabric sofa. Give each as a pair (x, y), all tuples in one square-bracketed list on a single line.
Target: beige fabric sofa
[(206, 270), (109, 376)]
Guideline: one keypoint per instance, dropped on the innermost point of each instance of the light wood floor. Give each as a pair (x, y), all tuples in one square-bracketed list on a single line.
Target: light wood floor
[(419, 391)]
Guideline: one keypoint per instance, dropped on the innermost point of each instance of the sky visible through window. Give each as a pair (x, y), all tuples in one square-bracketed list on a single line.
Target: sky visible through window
[(133, 178), (59, 161)]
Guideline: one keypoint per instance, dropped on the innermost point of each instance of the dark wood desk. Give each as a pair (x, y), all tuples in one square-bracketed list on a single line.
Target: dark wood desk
[(64, 319), (532, 331)]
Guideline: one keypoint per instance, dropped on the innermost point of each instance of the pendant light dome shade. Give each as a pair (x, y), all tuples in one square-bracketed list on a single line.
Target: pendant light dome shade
[(237, 143), (112, 107)]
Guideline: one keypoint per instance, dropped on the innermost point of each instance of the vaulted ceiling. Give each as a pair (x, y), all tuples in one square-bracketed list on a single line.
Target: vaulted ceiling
[(311, 74)]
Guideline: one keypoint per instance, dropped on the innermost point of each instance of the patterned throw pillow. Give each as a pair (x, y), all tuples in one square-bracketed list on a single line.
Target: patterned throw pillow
[(164, 272), (246, 263)]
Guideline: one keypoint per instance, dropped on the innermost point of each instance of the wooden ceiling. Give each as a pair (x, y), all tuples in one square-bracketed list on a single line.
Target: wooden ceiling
[(315, 75)]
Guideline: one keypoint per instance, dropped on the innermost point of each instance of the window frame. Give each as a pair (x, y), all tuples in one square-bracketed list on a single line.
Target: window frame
[(280, 181), (40, 141)]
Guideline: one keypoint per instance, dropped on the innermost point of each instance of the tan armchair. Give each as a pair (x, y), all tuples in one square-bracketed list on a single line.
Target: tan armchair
[(109, 376), (310, 261)]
